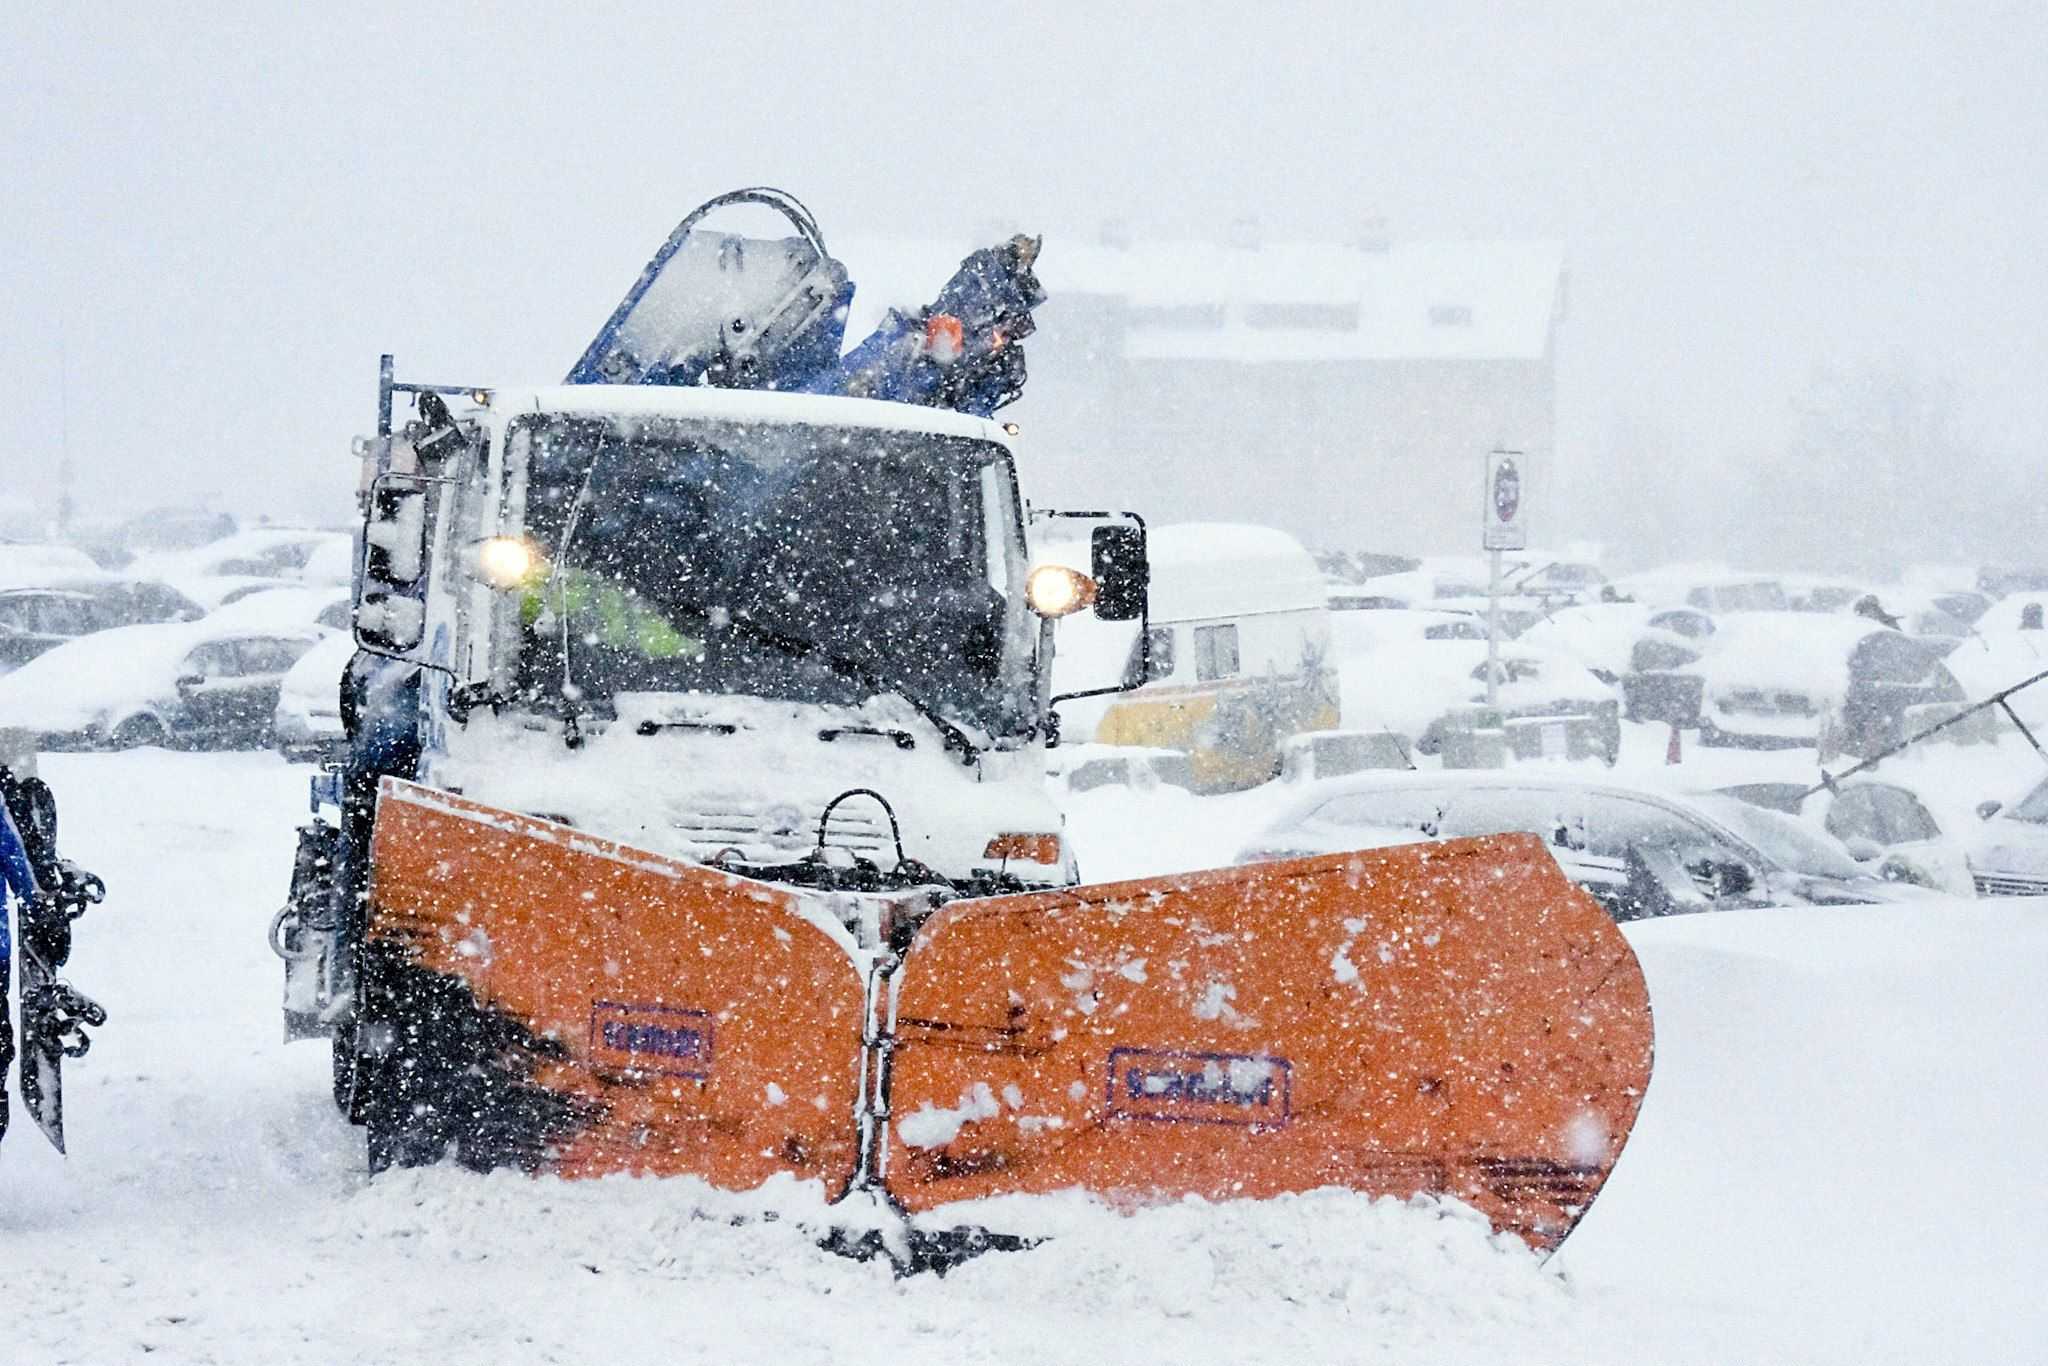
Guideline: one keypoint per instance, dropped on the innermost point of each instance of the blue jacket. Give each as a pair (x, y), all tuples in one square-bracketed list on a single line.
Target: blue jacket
[(17, 879)]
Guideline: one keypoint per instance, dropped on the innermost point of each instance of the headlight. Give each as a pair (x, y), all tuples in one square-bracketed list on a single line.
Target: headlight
[(508, 562), (1053, 590)]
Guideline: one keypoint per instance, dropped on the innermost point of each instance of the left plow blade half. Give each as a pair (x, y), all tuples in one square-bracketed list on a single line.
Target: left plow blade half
[(543, 998), (1452, 1018)]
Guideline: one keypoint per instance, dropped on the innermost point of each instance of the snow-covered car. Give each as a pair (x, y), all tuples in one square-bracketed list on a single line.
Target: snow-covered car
[(1990, 661), (331, 607), (2021, 611), (307, 723), (1768, 680), (1550, 704), (1559, 581), (34, 621), (1887, 827), (1398, 670), (1602, 636), (1640, 852), (130, 601), (1085, 767), (1708, 588), (251, 561), (2009, 853), (259, 552), (197, 684), (1333, 753), (34, 564), (218, 590)]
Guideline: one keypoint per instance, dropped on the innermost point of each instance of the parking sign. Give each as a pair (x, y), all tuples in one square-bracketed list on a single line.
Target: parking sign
[(1504, 523)]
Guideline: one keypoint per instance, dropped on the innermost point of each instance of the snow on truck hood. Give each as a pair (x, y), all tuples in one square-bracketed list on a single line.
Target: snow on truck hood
[(693, 789)]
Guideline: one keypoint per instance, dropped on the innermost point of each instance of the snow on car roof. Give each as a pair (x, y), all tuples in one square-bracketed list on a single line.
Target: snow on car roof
[(284, 608), (70, 686), (1808, 651), (29, 565), (1399, 780), (317, 675)]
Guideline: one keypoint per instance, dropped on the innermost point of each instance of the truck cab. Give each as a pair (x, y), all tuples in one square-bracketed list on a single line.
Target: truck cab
[(692, 618)]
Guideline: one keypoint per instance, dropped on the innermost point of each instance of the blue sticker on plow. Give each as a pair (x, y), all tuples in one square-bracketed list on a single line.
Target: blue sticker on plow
[(669, 1040), (1176, 1087)]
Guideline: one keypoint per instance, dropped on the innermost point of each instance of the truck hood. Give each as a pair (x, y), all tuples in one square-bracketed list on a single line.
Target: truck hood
[(698, 775)]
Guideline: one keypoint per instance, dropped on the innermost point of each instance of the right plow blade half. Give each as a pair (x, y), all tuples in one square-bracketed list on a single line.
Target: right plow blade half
[(1452, 1018)]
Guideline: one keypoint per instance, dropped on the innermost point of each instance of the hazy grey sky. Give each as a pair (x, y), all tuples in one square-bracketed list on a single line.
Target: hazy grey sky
[(218, 219)]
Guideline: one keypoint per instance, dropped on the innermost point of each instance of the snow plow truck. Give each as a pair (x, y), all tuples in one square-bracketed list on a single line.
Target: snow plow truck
[(692, 815)]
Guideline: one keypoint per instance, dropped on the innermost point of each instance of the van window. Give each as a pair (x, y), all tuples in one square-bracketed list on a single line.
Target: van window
[(1161, 650), (1215, 652)]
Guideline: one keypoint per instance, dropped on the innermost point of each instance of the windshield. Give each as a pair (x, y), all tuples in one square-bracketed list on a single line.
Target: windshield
[(1782, 838), (818, 564), (2032, 807)]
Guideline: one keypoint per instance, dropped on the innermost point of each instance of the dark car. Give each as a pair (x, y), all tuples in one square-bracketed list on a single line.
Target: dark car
[(34, 620), (1640, 853), (201, 684)]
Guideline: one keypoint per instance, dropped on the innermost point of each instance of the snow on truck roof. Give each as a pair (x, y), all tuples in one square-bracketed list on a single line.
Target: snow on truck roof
[(741, 405)]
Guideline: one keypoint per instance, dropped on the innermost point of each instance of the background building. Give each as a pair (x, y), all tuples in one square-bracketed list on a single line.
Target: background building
[(1344, 392)]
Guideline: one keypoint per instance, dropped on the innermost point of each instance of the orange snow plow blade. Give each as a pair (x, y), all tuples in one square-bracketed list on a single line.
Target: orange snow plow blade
[(1452, 1018), (562, 1002)]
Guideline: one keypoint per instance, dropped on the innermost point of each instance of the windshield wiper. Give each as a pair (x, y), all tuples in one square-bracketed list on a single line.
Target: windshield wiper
[(654, 727), (796, 647), (902, 739)]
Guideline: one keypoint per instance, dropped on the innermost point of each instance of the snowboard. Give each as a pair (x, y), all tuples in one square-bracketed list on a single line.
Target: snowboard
[(54, 1015)]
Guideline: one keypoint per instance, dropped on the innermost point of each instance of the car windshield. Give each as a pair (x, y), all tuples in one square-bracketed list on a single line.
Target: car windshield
[(2033, 807), (819, 564), (1782, 838)]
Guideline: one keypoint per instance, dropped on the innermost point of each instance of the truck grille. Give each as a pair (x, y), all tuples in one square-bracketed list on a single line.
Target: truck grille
[(777, 831), (2003, 884)]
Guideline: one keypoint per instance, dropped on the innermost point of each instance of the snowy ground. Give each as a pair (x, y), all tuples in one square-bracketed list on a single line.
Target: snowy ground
[(1837, 1162)]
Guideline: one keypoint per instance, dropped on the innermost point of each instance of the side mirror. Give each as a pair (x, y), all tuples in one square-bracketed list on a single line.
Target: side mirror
[(391, 613), (1122, 573), (187, 682), (391, 623), (395, 534), (1729, 878), (1986, 810), (1863, 849)]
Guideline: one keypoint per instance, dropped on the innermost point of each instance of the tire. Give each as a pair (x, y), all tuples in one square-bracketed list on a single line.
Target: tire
[(344, 1068), (138, 732)]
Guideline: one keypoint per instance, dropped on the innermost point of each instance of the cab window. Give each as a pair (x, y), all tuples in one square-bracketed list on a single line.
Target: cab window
[(1215, 652)]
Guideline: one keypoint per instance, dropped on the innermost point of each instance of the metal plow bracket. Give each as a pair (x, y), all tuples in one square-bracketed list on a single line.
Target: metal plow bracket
[(1453, 1018)]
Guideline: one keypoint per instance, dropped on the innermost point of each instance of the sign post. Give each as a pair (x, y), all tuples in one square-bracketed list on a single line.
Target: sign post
[(1501, 528)]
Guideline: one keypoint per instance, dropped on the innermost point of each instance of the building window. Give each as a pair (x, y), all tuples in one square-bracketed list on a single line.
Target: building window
[(1450, 315), (1215, 652), (1317, 317), (1178, 317)]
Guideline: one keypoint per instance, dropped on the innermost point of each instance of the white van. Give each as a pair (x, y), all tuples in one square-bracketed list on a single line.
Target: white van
[(1240, 653)]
